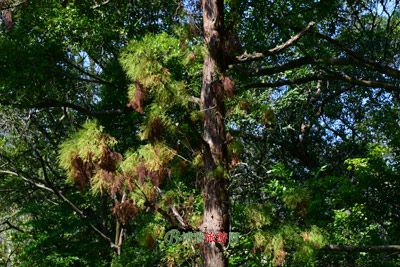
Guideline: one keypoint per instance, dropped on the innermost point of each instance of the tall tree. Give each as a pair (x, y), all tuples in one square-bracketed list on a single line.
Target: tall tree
[(276, 119), (214, 86)]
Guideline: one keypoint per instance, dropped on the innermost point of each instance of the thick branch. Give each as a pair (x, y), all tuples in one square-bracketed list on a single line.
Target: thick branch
[(344, 248), (327, 77), (367, 83), (11, 226), (175, 219), (179, 218), (304, 61), (358, 58), (38, 185), (297, 63), (276, 50)]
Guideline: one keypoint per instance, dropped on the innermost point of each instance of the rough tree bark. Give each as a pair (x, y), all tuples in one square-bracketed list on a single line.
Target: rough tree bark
[(216, 201)]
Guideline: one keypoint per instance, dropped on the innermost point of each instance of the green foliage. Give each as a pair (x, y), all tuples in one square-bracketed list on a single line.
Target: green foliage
[(154, 157), (158, 124), (160, 63), (357, 164), (134, 255), (64, 229), (87, 144), (352, 226), (312, 163), (296, 198), (257, 216)]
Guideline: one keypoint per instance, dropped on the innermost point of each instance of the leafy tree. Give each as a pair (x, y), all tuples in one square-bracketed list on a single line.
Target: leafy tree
[(124, 120)]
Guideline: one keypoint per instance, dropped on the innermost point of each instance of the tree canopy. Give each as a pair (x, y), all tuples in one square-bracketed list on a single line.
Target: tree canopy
[(121, 121)]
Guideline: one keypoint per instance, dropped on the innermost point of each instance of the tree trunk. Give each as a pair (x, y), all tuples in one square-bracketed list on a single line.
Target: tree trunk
[(216, 201)]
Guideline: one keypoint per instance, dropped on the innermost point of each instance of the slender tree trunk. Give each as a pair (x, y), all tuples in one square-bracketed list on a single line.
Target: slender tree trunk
[(216, 201)]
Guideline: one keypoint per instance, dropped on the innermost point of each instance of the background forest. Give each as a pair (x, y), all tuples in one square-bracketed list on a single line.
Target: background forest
[(119, 120)]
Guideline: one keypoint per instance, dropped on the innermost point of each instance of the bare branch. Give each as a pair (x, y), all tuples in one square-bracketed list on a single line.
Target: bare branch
[(327, 77), (97, 5), (11, 226), (358, 58), (304, 61), (94, 77), (194, 99), (38, 185), (300, 62), (276, 50), (65, 199), (367, 83), (179, 217)]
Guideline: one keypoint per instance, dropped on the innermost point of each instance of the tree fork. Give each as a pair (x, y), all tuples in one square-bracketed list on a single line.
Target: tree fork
[(216, 200)]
